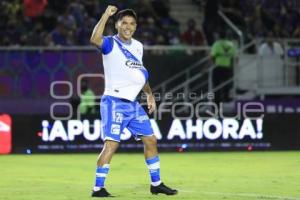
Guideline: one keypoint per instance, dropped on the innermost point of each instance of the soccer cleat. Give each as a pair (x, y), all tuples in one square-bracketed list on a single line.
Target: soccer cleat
[(162, 188), (101, 193)]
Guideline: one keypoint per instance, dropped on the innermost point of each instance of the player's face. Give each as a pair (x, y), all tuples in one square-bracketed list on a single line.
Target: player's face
[(126, 27)]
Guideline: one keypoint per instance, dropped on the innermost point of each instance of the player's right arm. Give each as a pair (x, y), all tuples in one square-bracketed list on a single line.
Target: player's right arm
[(96, 37)]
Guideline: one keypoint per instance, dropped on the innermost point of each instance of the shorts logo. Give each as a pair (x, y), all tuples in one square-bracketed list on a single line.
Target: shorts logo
[(142, 118), (115, 129)]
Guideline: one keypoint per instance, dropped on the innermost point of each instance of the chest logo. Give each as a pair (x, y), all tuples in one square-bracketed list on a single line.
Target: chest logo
[(133, 64)]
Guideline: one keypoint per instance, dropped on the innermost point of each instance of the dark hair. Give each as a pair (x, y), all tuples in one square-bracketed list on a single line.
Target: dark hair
[(126, 12)]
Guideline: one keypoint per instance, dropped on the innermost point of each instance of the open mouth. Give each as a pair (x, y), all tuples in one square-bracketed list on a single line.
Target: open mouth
[(127, 33)]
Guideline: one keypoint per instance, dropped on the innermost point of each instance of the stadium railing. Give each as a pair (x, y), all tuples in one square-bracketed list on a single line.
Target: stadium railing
[(250, 74)]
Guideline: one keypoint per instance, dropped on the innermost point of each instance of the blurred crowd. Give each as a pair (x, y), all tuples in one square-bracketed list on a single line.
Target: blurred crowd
[(256, 18), (70, 22)]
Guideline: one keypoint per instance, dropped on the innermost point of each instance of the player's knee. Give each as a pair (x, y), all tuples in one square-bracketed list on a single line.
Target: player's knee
[(150, 141), (111, 146), (153, 140)]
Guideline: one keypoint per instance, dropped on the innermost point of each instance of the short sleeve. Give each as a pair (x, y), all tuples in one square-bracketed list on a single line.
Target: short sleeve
[(107, 45)]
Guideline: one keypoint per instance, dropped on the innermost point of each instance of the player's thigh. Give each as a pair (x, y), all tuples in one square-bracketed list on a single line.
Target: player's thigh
[(140, 124), (113, 119)]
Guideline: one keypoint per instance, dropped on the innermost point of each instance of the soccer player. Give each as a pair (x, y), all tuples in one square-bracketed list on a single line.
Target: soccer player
[(125, 77)]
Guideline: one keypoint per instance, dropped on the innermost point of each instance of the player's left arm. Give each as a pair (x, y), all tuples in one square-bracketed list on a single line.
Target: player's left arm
[(150, 98)]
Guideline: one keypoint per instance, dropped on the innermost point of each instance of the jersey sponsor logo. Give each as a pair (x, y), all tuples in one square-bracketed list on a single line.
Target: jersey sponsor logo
[(133, 64), (5, 134)]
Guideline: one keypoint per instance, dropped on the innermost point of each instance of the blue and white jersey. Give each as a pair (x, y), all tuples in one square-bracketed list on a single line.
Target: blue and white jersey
[(124, 72)]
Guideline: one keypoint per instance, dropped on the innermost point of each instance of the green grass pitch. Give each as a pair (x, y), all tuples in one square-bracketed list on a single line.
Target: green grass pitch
[(207, 176)]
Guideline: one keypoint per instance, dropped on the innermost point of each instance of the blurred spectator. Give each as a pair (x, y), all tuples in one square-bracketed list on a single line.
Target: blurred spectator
[(87, 99), (71, 38), (270, 47), (67, 20), (160, 40), (296, 33), (223, 53), (59, 35), (278, 32), (192, 36), (168, 31), (271, 63), (148, 39), (174, 38), (147, 30), (77, 10), (48, 41), (33, 8), (83, 33), (35, 36), (12, 7), (40, 19)]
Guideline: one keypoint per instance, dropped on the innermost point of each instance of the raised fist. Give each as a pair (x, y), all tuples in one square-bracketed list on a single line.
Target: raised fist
[(111, 10)]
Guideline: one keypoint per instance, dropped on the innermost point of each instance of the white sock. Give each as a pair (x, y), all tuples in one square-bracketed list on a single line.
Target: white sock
[(97, 188), (156, 183)]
